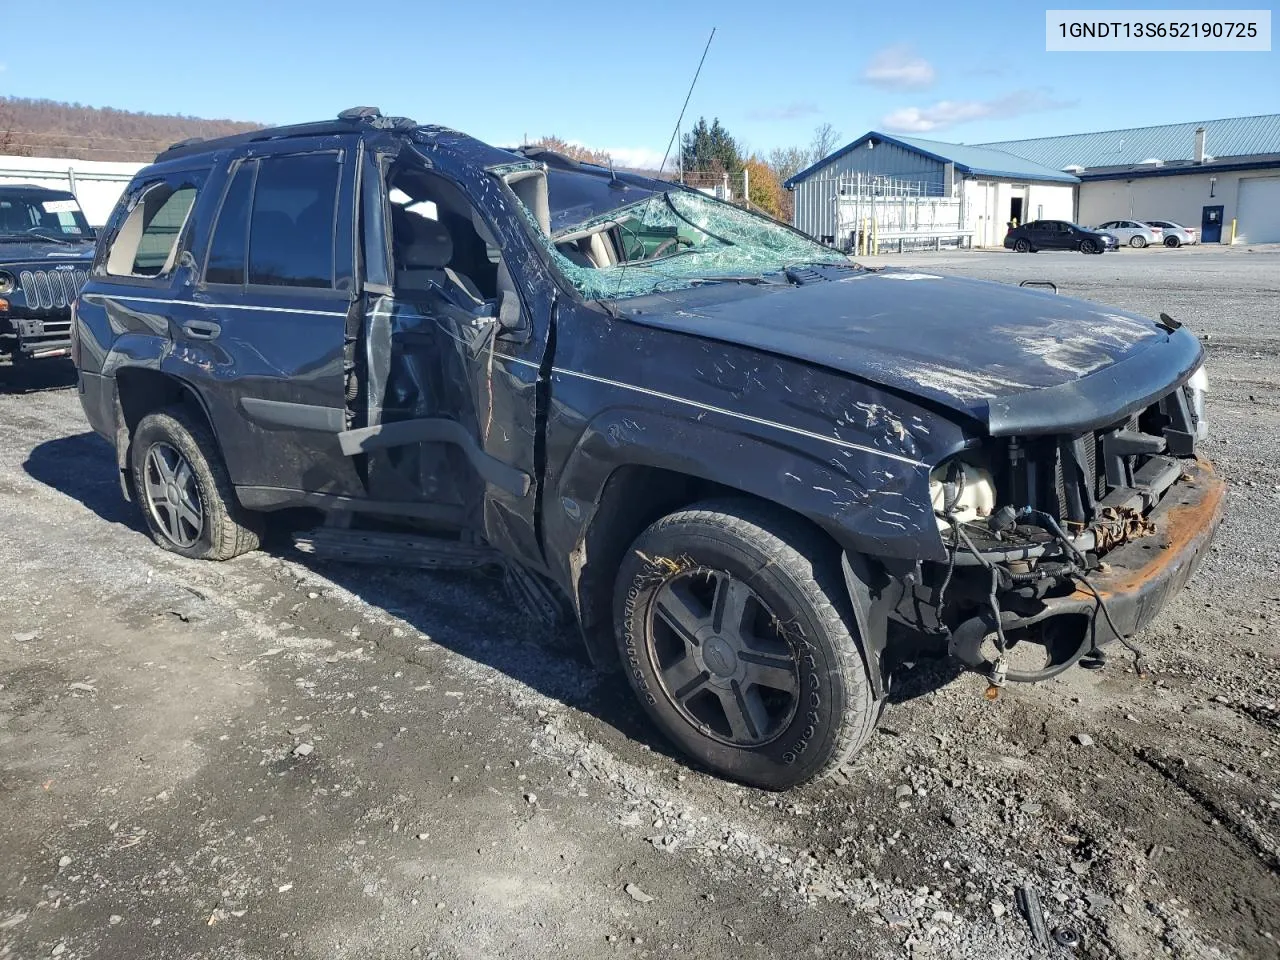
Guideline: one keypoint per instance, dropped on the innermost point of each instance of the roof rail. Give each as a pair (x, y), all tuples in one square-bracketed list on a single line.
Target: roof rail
[(343, 123)]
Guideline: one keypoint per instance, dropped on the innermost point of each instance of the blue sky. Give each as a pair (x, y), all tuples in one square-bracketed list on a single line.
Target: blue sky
[(613, 76)]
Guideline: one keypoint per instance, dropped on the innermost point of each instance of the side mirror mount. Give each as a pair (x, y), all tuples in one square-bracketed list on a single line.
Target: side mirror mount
[(187, 265), (510, 319)]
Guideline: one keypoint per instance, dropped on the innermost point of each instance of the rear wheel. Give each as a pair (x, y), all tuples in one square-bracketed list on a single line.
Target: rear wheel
[(1089, 246), (1021, 245), (1137, 242), (182, 486), (1172, 242), (731, 627)]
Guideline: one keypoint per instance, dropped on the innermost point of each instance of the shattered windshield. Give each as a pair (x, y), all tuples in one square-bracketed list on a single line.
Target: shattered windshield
[(672, 240)]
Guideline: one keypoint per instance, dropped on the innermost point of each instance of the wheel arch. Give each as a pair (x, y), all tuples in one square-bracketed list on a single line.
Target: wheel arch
[(635, 495), (143, 390)]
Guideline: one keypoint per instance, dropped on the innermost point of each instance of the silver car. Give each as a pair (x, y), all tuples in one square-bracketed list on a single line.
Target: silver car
[(1175, 234), (1133, 232)]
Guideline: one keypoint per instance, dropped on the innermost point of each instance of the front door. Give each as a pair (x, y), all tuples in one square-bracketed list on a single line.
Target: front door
[(453, 342), (265, 326), (1054, 235), (1211, 225)]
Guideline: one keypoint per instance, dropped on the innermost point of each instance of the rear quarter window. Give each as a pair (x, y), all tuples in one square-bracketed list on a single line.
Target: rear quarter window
[(150, 232)]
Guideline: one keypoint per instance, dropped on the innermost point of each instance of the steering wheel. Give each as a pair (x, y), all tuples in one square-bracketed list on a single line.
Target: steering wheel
[(667, 244)]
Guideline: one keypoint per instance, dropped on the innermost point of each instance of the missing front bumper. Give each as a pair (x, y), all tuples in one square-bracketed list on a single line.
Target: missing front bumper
[(1136, 582)]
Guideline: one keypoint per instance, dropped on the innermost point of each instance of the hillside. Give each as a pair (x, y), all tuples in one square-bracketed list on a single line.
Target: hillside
[(47, 128)]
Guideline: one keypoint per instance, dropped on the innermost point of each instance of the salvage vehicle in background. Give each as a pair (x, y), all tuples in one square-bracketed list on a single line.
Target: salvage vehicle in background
[(1175, 234), (760, 476), (1057, 235), (46, 248), (1133, 232)]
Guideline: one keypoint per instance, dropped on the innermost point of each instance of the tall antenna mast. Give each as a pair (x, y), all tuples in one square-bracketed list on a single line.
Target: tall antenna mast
[(676, 131)]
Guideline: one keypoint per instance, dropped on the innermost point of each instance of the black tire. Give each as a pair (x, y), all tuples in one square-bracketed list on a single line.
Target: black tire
[(225, 528), (1088, 246), (792, 573), (1022, 245), (1137, 242), (1172, 242)]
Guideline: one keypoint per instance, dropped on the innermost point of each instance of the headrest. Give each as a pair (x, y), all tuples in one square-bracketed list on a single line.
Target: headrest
[(421, 243), (482, 228)]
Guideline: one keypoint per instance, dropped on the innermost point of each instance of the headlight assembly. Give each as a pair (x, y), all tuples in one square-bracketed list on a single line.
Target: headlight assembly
[(7, 283), (1197, 388)]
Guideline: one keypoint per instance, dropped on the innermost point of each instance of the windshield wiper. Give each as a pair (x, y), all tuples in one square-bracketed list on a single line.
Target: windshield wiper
[(49, 237), (748, 279)]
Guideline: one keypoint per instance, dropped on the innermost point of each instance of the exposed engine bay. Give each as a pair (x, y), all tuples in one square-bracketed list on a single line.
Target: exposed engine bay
[(1032, 527)]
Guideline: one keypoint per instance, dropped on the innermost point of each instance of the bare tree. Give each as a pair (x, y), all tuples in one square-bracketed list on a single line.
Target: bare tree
[(825, 139), (786, 162)]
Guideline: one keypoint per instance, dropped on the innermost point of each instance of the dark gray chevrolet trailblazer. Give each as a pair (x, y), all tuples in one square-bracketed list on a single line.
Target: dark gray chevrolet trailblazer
[(761, 476), (46, 246)]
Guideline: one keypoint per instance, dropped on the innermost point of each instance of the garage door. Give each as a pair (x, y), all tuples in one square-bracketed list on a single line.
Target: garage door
[(1258, 211)]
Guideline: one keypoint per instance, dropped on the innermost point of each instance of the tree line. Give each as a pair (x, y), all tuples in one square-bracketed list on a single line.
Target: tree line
[(708, 151), (48, 128)]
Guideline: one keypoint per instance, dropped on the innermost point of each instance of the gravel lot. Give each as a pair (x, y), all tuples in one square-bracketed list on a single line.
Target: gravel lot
[(271, 757)]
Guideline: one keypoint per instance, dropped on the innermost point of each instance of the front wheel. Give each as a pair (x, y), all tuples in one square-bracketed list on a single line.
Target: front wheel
[(732, 628), (1021, 245), (182, 486), (1088, 246)]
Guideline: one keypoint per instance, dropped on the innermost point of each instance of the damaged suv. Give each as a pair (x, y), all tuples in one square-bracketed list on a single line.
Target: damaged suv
[(761, 476)]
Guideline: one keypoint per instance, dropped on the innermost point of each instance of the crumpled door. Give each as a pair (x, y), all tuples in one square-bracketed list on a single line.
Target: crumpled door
[(448, 404)]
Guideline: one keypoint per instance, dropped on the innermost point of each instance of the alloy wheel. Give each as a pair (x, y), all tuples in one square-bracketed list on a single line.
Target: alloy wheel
[(173, 498), (721, 657)]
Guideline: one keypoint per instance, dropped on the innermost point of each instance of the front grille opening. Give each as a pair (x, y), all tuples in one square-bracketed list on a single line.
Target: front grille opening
[(1072, 477), (51, 289)]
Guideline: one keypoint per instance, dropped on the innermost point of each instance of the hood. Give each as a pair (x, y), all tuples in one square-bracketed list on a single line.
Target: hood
[(38, 251), (1016, 360)]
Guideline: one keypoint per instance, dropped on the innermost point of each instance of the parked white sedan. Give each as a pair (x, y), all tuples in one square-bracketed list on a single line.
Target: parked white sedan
[(1133, 232), (1175, 234)]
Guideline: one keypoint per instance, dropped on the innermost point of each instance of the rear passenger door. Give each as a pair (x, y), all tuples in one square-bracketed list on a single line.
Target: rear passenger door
[(267, 335)]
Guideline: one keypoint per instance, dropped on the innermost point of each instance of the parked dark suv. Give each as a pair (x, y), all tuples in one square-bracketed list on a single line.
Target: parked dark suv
[(760, 475), (1058, 235), (46, 246)]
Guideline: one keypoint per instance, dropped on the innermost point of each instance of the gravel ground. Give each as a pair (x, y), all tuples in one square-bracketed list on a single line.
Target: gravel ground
[(271, 757)]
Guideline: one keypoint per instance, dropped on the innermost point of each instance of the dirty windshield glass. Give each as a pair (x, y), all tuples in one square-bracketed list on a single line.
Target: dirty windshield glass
[(672, 240)]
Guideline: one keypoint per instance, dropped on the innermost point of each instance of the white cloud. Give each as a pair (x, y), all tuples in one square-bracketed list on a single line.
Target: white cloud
[(948, 113), (898, 68), (639, 158)]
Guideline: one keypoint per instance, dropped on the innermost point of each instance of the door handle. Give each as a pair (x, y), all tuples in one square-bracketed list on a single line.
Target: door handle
[(201, 329)]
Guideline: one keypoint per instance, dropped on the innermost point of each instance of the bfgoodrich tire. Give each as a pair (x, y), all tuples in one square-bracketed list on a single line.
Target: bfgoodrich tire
[(183, 489), (733, 628)]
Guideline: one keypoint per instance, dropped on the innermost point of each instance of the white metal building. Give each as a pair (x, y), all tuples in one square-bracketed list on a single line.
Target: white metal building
[(97, 184), (987, 188), (1213, 175)]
